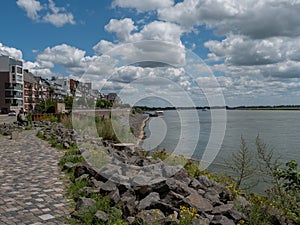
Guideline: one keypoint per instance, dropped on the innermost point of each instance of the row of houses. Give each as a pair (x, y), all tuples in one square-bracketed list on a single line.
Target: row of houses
[(19, 88)]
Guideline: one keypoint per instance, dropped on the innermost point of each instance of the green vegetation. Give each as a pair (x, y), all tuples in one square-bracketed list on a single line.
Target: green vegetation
[(243, 167), (282, 200), (110, 129), (103, 104)]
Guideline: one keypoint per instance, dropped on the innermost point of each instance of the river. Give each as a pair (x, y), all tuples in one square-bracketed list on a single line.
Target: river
[(188, 132)]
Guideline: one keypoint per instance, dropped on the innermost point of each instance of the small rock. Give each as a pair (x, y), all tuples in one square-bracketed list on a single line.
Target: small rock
[(222, 209), (146, 202), (107, 187), (195, 184), (85, 204), (242, 201), (205, 182), (114, 196), (213, 196), (235, 215), (197, 201), (68, 166), (221, 220), (83, 177), (152, 216), (101, 216), (130, 219), (66, 145), (182, 175)]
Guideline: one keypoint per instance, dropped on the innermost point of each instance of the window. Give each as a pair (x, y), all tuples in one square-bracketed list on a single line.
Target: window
[(13, 69), (8, 94), (19, 70)]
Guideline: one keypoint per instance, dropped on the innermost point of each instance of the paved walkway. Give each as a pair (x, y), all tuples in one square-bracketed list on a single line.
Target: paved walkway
[(31, 185)]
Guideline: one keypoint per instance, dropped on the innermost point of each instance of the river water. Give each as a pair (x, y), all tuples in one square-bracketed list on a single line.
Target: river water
[(189, 133)]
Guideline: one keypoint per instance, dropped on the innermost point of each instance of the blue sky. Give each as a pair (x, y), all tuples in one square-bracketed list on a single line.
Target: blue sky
[(247, 51)]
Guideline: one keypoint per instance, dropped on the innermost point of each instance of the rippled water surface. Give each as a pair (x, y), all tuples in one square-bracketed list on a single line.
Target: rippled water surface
[(187, 132)]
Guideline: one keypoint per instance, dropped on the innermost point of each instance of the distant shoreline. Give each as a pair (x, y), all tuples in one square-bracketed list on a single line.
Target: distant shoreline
[(283, 107), (264, 108)]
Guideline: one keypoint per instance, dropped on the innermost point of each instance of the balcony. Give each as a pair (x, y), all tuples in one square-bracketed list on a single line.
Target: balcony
[(14, 96), (13, 87)]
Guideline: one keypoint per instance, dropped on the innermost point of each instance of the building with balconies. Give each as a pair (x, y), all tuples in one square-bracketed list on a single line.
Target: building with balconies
[(11, 84), (30, 91)]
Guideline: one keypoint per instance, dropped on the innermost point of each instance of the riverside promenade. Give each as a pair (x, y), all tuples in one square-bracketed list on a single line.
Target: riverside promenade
[(31, 184)]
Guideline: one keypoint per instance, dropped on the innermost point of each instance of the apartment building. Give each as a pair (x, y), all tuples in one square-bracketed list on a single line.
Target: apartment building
[(30, 91), (11, 84)]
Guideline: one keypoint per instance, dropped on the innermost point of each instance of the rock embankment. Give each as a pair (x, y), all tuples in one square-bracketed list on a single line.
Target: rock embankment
[(147, 190)]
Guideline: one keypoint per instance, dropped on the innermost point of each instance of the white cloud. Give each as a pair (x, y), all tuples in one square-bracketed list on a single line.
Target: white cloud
[(74, 62), (157, 41), (49, 13), (59, 19), (123, 28), (9, 51), (142, 6), (249, 90), (252, 18), (162, 31), (37, 69), (32, 7), (241, 50), (61, 54), (127, 31), (103, 46), (58, 16), (276, 56)]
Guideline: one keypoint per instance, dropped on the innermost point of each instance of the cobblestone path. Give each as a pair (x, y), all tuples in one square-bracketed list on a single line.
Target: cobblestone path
[(31, 185)]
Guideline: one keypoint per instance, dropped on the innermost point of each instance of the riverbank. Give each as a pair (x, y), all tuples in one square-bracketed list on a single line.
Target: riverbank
[(134, 187), (142, 132)]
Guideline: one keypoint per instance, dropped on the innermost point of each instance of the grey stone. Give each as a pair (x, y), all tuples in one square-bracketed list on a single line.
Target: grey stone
[(201, 192), (108, 187), (182, 175), (95, 183), (130, 219), (213, 196), (195, 184), (114, 196), (205, 182), (83, 177), (235, 215), (147, 201), (167, 208), (85, 204), (141, 180), (68, 166), (197, 201), (221, 220), (222, 209), (169, 171), (178, 187), (242, 201), (101, 216), (152, 216), (173, 198)]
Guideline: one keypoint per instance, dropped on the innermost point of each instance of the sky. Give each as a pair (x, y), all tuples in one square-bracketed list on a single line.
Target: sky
[(176, 52)]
